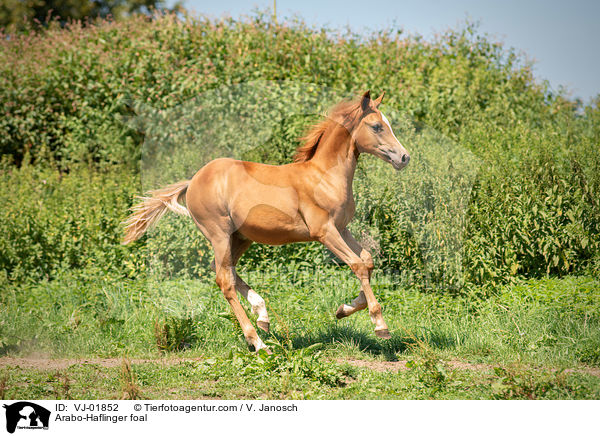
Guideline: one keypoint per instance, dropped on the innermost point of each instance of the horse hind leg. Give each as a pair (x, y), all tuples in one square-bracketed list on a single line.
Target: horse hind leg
[(359, 303), (226, 279), (258, 306), (257, 303)]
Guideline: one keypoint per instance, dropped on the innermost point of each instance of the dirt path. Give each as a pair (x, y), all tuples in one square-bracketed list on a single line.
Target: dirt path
[(400, 365), (46, 364)]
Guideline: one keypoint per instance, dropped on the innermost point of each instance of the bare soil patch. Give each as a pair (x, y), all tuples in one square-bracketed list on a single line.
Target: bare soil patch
[(400, 365), (48, 364)]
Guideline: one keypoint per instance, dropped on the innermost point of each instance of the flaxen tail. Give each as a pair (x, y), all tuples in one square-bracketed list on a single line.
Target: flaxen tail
[(152, 208)]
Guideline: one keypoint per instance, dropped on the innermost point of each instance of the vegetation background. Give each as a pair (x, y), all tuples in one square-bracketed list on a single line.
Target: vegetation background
[(498, 211)]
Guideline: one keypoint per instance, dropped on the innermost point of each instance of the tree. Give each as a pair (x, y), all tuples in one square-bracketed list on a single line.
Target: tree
[(17, 12)]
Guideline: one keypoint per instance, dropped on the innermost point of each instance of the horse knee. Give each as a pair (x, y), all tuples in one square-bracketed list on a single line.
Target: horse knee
[(367, 259), (226, 284), (362, 269)]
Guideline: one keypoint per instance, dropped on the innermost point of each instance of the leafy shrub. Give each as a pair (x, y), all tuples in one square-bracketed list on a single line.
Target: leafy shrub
[(174, 334), (504, 180), (430, 371), (64, 91), (52, 221), (535, 216), (519, 383), (305, 363), (588, 351)]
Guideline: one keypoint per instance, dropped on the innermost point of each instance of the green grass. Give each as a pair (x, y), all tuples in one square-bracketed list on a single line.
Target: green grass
[(71, 166), (515, 344), (194, 380)]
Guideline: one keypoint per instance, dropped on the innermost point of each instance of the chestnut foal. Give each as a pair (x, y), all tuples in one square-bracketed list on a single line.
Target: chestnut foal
[(235, 203)]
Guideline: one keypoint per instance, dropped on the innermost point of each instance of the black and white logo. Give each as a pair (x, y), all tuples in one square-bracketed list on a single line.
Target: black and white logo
[(26, 415)]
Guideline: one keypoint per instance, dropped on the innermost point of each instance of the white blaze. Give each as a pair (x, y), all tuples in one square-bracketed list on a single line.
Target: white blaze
[(385, 120)]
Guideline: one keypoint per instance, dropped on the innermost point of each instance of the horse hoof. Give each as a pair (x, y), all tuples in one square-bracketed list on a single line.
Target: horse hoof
[(263, 325), (339, 314), (383, 334)]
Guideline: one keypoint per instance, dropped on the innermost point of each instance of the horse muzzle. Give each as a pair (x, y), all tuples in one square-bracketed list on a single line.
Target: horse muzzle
[(398, 160)]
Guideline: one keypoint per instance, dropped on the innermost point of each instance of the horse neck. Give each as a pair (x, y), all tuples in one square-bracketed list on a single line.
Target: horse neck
[(336, 153)]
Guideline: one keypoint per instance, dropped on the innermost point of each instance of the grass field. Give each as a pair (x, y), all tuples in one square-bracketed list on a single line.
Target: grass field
[(504, 172), (82, 337)]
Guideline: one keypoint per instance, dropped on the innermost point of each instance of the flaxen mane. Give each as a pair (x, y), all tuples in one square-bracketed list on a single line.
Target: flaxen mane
[(345, 113)]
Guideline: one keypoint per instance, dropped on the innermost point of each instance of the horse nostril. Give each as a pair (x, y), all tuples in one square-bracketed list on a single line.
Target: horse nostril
[(405, 158)]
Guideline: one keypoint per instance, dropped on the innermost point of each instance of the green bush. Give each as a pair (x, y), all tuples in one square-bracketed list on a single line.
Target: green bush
[(537, 213), (52, 221), (504, 179), (63, 92)]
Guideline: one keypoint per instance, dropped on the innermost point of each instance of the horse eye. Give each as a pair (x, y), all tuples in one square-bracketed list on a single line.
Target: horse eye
[(377, 128)]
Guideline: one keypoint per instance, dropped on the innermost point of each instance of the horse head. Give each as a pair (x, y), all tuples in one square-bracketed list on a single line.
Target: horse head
[(374, 134)]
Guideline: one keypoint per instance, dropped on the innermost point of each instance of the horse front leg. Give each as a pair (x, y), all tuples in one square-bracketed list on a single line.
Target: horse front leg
[(360, 302), (344, 246)]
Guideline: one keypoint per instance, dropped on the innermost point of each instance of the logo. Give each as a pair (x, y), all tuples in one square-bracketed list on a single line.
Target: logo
[(26, 415)]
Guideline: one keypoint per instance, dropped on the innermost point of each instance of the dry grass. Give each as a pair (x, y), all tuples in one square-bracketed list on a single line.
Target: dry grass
[(131, 390), (3, 386)]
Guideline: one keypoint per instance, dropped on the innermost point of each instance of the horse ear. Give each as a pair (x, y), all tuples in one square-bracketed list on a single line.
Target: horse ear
[(365, 101), (379, 99)]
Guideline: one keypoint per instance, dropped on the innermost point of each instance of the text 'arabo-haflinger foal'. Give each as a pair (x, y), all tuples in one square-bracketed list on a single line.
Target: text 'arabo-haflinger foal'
[(235, 203)]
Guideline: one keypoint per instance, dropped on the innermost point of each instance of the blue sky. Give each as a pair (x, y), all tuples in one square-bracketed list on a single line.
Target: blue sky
[(561, 37)]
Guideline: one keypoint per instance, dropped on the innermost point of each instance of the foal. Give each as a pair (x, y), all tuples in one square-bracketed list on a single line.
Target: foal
[(235, 203)]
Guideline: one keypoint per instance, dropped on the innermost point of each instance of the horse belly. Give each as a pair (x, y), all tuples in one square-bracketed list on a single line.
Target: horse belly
[(271, 225)]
